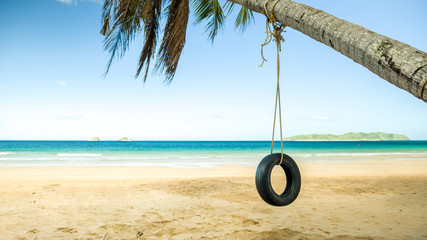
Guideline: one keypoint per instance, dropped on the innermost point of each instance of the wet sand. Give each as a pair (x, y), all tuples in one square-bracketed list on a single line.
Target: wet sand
[(344, 200)]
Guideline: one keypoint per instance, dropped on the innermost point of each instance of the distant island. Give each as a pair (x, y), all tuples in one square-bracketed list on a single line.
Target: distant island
[(125, 139), (352, 136)]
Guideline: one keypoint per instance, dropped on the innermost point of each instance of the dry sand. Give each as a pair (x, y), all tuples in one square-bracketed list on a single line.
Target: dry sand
[(346, 200)]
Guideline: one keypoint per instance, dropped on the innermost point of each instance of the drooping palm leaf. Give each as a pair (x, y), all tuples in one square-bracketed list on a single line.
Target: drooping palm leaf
[(244, 18), (106, 16), (126, 16), (174, 38), (151, 13), (122, 20), (211, 11), (228, 7)]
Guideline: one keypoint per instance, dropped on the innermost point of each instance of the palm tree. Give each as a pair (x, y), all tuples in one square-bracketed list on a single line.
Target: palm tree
[(398, 63)]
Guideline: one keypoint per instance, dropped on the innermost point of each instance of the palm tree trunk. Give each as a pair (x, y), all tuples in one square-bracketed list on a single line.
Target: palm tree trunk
[(394, 61)]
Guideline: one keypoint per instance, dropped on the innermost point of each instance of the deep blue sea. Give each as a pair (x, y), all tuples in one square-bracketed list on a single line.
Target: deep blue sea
[(198, 153)]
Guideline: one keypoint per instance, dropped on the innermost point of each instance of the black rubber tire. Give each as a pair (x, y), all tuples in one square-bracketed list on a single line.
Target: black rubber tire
[(263, 180)]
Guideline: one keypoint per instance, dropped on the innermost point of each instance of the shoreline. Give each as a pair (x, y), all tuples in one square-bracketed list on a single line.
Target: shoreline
[(307, 168), (338, 200)]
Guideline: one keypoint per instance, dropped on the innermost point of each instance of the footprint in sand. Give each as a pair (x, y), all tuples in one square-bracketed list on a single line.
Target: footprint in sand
[(66, 230), (152, 216), (250, 222), (33, 231)]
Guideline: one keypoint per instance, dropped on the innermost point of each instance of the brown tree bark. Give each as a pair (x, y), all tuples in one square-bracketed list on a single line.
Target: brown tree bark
[(398, 63)]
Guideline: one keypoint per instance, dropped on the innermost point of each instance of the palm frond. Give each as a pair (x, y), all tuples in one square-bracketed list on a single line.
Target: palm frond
[(106, 16), (151, 13), (174, 38), (122, 20), (211, 11), (228, 7), (244, 18), (126, 24)]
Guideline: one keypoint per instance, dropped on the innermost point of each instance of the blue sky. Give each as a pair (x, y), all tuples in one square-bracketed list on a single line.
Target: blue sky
[(52, 85)]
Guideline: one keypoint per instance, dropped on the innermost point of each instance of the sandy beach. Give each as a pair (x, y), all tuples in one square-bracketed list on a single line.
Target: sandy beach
[(338, 200)]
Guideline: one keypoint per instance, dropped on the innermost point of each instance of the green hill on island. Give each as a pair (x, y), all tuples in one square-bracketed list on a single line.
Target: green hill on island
[(352, 136)]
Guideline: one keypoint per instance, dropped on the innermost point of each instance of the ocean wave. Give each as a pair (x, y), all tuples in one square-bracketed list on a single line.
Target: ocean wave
[(194, 157), (48, 159), (79, 154), (141, 164), (5, 153), (368, 154)]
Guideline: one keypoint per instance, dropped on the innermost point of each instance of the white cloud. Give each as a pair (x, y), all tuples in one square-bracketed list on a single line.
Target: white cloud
[(61, 83), (68, 2)]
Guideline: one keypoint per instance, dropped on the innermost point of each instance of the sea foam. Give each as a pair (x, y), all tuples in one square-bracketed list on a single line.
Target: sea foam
[(79, 154)]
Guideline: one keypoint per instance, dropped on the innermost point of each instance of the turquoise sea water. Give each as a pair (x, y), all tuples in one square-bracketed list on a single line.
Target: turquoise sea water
[(198, 153)]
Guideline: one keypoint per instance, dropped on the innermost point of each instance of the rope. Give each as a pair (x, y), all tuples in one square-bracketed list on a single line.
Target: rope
[(277, 29), (280, 107), (277, 35)]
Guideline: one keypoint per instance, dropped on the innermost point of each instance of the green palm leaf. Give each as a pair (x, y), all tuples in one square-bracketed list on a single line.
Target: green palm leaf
[(123, 20), (150, 13), (211, 11), (174, 38), (244, 18), (126, 17)]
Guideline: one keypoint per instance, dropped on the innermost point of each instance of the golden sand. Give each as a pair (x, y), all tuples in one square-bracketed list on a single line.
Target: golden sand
[(346, 200)]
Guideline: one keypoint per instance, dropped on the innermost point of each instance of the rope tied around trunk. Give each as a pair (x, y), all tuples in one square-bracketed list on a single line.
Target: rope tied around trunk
[(276, 34)]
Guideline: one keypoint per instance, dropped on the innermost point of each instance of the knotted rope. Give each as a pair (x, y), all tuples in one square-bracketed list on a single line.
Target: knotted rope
[(277, 35)]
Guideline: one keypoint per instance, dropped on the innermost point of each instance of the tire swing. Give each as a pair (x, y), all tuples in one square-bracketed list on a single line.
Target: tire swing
[(289, 166), (263, 179)]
